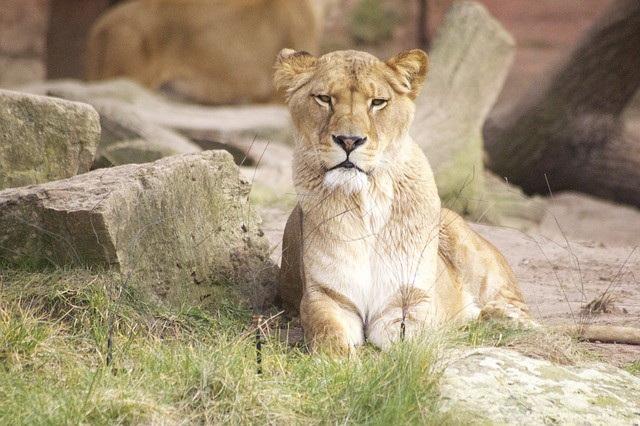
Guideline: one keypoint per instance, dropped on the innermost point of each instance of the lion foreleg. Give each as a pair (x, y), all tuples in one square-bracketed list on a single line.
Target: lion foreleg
[(409, 314), (330, 325)]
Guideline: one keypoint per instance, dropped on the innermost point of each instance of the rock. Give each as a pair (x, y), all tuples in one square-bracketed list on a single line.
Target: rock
[(23, 27), (126, 137), (178, 227), (498, 386), (468, 65), (235, 126), (44, 139)]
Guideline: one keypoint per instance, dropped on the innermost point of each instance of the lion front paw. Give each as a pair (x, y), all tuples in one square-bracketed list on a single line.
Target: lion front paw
[(330, 344)]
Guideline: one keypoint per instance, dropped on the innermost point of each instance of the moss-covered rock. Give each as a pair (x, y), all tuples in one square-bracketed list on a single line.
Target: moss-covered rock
[(181, 226), (468, 64), (44, 139), (498, 386)]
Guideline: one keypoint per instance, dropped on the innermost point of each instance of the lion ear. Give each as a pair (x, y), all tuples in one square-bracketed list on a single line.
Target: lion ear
[(292, 69), (410, 70)]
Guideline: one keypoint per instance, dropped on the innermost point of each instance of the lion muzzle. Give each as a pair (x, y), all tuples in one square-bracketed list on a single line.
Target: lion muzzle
[(349, 143)]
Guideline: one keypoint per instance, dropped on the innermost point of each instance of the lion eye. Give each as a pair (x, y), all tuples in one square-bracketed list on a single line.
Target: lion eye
[(324, 100), (378, 103)]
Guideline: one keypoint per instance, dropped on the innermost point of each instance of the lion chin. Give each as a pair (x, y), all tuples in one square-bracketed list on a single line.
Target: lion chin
[(350, 181)]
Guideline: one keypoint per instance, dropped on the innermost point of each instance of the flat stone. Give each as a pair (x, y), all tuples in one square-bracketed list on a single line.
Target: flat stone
[(499, 386)]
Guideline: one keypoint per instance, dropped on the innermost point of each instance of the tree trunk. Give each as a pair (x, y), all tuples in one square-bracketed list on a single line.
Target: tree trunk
[(424, 40), (567, 132), (69, 24)]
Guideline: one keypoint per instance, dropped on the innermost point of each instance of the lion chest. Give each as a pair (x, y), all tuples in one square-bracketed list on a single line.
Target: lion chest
[(363, 252)]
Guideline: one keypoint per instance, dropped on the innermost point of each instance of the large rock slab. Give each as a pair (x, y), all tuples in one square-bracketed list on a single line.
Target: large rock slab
[(128, 138), (498, 386), (469, 62), (44, 139), (179, 227)]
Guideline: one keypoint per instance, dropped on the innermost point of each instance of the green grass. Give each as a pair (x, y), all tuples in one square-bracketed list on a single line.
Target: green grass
[(372, 22), (634, 368), (185, 365)]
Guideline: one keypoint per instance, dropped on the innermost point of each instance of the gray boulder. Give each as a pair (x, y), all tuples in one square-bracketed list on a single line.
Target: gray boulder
[(498, 386), (179, 227), (44, 139), (127, 136), (469, 62), (122, 103)]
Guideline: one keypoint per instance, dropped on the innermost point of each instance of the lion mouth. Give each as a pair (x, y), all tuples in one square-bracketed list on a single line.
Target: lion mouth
[(346, 164)]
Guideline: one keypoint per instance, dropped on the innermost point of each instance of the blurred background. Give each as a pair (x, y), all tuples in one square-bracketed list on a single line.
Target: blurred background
[(46, 39)]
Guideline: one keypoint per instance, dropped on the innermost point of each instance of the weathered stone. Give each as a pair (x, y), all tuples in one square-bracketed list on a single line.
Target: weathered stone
[(498, 386), (468, 65), (262, 121), (178, 226), (44, 139), (230, 125), (126, 137)]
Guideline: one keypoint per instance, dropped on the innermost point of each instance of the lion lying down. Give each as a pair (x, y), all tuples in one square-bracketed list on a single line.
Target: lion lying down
[(368, 253)]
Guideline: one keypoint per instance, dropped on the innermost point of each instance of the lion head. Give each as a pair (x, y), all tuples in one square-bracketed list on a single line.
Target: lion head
[(351, 111)]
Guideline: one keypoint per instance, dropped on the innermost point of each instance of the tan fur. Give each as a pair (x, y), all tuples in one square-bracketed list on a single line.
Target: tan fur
[(206, 51), (368, 253)]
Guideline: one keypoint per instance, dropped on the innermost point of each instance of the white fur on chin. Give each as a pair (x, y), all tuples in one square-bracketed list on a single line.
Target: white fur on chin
[(349, 181)]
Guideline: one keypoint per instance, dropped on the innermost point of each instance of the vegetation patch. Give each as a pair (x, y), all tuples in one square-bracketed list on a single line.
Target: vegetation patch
[(634, 368), (542, 343), (77, 346)]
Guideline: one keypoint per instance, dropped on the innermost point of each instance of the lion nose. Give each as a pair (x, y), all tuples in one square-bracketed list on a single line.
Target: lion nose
[(348, 143)]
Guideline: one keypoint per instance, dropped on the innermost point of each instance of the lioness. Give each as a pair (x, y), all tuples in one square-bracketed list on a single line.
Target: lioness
[(205, 51), (368, 254)]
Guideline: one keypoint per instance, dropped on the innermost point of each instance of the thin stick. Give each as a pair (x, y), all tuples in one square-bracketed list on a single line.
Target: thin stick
[(257, 319)]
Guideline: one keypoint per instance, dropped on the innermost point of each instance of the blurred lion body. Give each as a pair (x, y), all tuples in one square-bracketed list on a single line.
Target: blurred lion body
[(205, 51), (368, 253)]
